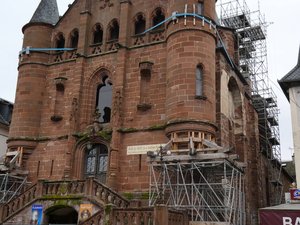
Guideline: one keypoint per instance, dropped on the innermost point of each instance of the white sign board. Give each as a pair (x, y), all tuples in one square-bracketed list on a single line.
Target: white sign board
[(142, 149)]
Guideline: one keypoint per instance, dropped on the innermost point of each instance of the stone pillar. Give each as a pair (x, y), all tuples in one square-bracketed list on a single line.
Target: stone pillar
[(84, 32), (120, 74), (161, 215)]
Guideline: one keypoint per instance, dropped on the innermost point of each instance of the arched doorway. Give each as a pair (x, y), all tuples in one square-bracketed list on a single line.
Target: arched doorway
[(61, 215), (96, 161)]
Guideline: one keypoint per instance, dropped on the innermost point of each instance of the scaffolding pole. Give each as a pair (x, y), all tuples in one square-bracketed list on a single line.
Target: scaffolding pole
[(11, 186)]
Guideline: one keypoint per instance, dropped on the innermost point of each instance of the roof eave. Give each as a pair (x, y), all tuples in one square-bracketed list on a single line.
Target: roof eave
[(285, 87)]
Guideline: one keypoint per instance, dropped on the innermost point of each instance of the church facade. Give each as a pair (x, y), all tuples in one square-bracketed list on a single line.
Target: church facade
[(111, 82)]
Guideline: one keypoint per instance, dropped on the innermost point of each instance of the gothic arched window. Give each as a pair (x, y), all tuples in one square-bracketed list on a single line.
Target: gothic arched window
[(113, 30), (104, 99), (140, 24), (74, 39), (60, 41), (199, 81), (96, 161), (158, 17), (98, 34)]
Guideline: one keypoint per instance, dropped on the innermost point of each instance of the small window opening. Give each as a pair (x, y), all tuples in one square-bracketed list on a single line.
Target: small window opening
[(98, 34), (51, 169), (158, 18), (60, 43), (74, 39), (114, 31), (200, 8), (140, 25), (199, 81), (38, 169)]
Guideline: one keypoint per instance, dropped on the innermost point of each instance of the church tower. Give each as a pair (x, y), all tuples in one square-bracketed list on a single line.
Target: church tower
[(30, 95)]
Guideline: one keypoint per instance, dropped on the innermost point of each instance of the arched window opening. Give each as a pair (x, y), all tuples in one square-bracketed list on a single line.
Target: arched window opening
[(140, 24), (199, 81), (96, 161), (60, 41), (74, 39), (98, 34), (104, 99), (158, 18), (114, 30), (236, 114), (200, 8)]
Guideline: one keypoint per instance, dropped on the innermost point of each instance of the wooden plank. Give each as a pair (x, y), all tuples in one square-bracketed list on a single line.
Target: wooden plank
[(12, 153), (208, 156)]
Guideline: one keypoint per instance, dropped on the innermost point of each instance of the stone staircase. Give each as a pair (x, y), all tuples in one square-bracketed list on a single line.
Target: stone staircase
[(113, 208), (89, 189)]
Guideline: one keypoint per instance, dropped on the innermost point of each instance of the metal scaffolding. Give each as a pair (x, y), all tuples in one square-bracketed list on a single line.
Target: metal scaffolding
[(251, 36), (211, 189), (11, 186)]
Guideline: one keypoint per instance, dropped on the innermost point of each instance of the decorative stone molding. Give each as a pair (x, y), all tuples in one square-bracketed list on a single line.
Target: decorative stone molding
[(146, 68), (125, 1), (144, 106), (106, 3), (60, 83)]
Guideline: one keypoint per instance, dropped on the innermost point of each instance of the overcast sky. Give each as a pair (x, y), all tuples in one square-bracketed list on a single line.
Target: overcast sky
[(283, 47)]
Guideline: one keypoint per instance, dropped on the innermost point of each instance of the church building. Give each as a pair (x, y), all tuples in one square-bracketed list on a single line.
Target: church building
[(136, 112)]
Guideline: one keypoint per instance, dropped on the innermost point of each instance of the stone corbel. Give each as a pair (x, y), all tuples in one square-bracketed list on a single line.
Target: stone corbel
[(60, 83), (146, 68)]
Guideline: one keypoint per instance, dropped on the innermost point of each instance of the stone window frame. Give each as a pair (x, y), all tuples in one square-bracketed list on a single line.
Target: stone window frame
[(94, 30), (200, 7), (154, 14), (101, 157), (59, 37), (74, 34), (111, 25), (199, 82), (104, 77), (139, 17), (237, 111)]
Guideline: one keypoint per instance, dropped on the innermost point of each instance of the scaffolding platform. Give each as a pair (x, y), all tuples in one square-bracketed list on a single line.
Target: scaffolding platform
[(252, 33), (274, 141), (237, 22), (272, 120)]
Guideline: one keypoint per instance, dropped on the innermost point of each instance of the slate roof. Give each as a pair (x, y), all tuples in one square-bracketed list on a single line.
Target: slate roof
[(47, 12), (5, 112), (291, 79)]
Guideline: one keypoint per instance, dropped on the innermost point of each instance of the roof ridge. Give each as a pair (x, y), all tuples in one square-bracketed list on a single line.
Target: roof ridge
[(292, 75)]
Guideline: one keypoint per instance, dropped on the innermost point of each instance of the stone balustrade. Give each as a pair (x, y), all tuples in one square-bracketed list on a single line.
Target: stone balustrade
[(16, 204), (88, 188)]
